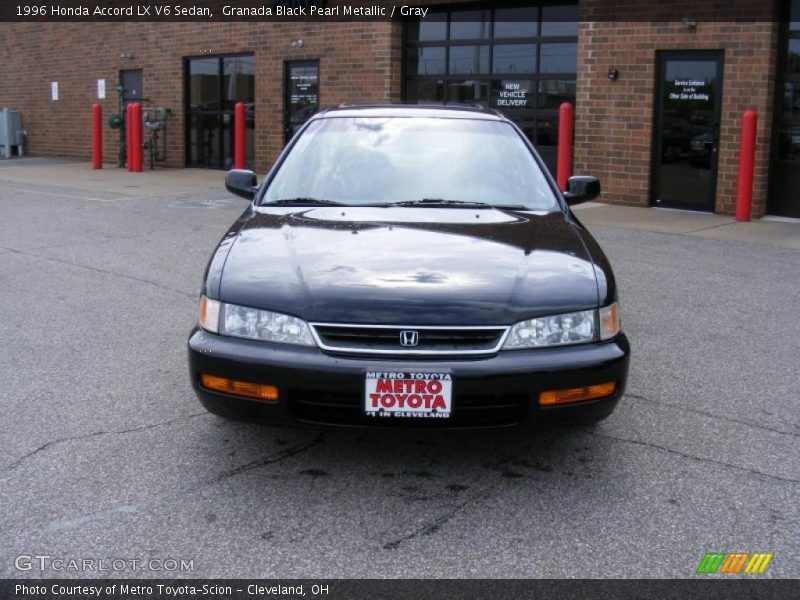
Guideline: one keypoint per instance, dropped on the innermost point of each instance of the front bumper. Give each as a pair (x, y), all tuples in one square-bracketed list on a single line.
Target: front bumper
[(321, 389)]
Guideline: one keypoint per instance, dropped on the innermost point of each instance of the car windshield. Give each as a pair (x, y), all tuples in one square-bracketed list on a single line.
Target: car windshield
[(426, 161)]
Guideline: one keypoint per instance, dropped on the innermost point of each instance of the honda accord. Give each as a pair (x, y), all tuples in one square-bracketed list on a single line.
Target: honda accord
[(409, 266)]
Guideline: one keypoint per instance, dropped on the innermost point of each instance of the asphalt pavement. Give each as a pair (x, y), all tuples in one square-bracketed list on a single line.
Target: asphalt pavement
[(106, 454)]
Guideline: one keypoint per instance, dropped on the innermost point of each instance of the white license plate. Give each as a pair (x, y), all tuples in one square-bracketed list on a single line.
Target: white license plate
[(404, 394)]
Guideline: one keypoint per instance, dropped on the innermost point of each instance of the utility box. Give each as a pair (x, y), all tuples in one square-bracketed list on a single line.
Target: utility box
[(12, 136)]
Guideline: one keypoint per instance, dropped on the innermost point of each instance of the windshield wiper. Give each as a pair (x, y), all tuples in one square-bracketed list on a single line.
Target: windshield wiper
[(303, 202), (457, 204)]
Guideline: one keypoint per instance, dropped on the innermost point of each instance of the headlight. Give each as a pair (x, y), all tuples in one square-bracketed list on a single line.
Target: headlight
[(252, 323), (559, 330)]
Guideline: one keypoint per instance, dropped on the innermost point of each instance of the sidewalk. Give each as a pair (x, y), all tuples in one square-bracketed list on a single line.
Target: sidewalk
[(72, 178), (785, 234), (77, 178)]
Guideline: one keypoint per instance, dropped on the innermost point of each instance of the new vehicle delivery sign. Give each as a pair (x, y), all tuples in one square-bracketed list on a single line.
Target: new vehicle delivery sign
[(411, 395)]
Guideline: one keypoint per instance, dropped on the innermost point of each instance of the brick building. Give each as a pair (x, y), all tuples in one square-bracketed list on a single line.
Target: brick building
[(659, 88)]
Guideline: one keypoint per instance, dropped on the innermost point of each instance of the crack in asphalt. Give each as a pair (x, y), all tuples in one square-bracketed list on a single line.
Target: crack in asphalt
[(691, 456), (270, 459), (193, 296), (716, 416), (10, 467), (432, 526)]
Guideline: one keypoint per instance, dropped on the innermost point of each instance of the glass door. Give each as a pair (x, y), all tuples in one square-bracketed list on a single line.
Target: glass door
[(301, 99), (688, 101), (214, 85)]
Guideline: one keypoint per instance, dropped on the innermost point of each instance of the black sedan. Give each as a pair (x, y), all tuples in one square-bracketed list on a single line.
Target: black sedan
[(409, 266)]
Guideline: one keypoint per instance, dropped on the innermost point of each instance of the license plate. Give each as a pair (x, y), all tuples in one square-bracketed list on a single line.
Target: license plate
[(403, 394)]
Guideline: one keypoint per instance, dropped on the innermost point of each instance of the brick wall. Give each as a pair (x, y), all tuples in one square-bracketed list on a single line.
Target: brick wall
[(614, 119), (359, 62)]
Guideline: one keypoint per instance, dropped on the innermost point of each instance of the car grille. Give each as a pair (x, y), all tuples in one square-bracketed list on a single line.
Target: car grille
[(334, 408), (371, 339)]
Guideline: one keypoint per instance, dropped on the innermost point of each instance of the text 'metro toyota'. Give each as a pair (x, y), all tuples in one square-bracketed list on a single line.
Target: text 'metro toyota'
[(409, 266)]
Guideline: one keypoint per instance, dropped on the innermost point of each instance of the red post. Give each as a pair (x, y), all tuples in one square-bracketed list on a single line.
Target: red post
[(97, 136), (747, 163), (564, 167), (128, 136), (238, 136), (135, 160)]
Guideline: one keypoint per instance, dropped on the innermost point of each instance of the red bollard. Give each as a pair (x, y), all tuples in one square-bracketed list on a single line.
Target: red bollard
[(128, 134), (238, 136), (747, 164), (135, 160), (97, 136), (564, 167)]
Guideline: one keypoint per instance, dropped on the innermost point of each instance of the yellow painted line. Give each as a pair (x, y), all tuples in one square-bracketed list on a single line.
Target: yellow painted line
[(60, 195)]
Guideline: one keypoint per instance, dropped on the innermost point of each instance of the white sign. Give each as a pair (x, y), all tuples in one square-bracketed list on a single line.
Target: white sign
[(411, 395), (101, 89), (54, 90)]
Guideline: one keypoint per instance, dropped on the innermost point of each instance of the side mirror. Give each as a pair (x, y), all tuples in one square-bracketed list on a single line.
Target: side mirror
[(581, 188), (241, 183)]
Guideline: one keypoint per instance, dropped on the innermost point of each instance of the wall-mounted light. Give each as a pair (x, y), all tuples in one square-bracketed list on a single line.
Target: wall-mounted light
[(298, 43), (613, 74), (126, 55), (689, 22)]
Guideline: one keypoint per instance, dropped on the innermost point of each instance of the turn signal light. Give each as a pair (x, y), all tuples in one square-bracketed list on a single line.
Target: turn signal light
[(569, 395), (240, 388)]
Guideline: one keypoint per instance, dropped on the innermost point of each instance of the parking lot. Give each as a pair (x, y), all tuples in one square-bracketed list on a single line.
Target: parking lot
[(106, 453)]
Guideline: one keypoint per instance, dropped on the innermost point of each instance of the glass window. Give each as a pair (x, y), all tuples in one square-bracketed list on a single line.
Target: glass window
[(516, 22), (468, 91), (514, 58), (791, 103), (427, 60), (469, 25), (794, 16), (512, 93), (547, 130), (558, 58), (554, 92), (469, 59), (425, 91), (432, 28), (560, 20), (358, 161), (238, 80), (793, 57), (204, 84)]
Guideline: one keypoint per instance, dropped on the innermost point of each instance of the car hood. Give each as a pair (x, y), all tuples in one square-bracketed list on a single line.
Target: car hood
[(409, 266)]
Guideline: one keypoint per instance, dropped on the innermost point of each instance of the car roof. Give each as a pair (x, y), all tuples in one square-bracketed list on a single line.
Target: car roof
[(440, 111)]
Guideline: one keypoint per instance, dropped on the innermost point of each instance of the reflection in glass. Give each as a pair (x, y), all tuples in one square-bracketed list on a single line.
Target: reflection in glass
[(470, 25), (514, 58), (554, 92), (560, 20), (793, 57), (204, 84), (428, 60), (515, 22), (432, 28), (238, 80), (558, 58), (469, 59), (423, 90), (468, 91)]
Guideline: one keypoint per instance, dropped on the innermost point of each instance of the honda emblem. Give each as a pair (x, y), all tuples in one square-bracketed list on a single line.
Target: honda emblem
[(409, 339)]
